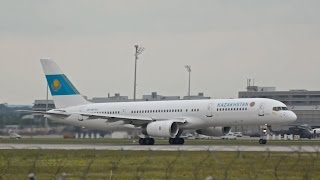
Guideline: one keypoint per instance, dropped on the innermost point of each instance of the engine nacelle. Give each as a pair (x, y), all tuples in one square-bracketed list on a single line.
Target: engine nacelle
[(161, 129), (214, 131)]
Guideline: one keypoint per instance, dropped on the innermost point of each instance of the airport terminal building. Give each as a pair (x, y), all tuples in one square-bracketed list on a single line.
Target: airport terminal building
[(306, 104)]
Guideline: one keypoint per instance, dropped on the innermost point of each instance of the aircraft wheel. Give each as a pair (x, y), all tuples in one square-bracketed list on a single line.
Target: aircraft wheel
[(141, 141), (171, 141), (181, 141), (151, 141), (264, 141), (147, 141), (176, 141)]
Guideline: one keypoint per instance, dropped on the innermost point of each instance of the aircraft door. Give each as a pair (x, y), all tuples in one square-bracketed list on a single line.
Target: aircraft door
[(209, 110), (261, 110), (80, 117)]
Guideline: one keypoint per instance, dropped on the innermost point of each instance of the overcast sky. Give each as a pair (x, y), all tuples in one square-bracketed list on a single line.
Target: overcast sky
[(275, 42)]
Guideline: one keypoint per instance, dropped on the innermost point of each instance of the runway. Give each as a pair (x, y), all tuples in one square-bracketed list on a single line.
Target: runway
[(230, 148)]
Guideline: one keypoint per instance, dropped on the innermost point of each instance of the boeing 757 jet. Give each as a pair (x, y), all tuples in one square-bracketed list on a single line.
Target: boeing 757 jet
[(211, 117)]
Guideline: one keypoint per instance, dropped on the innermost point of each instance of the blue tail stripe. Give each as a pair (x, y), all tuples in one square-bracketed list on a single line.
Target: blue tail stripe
[(60, 85)]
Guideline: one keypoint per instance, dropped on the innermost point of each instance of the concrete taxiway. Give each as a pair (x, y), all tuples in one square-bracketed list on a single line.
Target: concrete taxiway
[(258, 148)]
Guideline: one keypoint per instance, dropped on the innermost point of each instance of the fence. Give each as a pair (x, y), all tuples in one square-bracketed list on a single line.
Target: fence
[(123, 164)]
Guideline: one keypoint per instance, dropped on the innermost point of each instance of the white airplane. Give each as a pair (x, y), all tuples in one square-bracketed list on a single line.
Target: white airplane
[(212, 117), (315, 131)]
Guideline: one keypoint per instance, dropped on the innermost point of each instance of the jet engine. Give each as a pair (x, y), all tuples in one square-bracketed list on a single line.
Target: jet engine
[(214, 131), (161, 129)]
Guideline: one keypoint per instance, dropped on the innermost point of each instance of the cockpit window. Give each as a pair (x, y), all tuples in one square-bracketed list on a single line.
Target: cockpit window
[(276, 108), (280, 108)]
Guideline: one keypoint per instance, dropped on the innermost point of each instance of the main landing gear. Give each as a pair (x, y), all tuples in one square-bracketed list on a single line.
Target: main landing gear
[(176, 141), (146, 141), (150, 141)]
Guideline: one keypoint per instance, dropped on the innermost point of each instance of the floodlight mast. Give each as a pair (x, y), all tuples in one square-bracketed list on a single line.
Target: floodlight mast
[(139, 51), (188, 67)]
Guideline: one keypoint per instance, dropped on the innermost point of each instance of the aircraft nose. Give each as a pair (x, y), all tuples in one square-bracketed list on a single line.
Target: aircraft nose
[(292, 116)]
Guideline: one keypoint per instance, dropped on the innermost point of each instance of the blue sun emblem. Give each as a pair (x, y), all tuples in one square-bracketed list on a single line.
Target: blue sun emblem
[(56, 85)]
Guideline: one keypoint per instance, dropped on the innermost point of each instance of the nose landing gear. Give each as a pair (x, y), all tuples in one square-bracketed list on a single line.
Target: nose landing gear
[(263, 137), (262, 141)]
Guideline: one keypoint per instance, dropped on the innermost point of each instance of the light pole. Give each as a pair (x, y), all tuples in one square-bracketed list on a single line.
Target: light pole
[(139, 51), (188, 67)]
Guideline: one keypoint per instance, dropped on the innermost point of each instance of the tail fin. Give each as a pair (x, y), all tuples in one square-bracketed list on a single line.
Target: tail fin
[(63, 92)]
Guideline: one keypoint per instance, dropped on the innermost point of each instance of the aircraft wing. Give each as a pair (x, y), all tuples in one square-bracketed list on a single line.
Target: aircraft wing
[(135, 120), (52, 113)]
